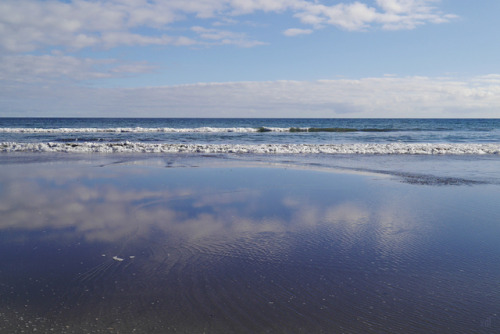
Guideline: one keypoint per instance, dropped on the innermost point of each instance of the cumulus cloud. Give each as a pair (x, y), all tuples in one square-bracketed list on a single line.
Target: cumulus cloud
[(223, 37), (368, 97), (55, 67), (30, 31), (296, 32), (356, 16), (29, 25), (388, 14)]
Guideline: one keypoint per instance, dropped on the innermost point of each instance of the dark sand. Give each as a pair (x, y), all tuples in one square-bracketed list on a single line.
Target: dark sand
[(109, 245)]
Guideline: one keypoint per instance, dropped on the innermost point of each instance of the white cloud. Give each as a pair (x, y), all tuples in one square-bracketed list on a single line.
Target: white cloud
[(45, 69), (30, 30), (29, 25), (368, 97), (397, 6), (295, 32), (493, 79), (240, 7), (390, 14), (112, 39), (224, 37)]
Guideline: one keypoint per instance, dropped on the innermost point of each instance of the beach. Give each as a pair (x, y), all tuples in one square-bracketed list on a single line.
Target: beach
[(224, 244), (249, 167)]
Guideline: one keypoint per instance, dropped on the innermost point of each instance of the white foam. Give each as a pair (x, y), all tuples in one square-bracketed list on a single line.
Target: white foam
[(138, 130), (131, 147)]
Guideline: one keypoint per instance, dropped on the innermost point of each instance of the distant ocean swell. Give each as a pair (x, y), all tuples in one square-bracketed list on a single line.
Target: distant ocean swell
[(192, 130), (357, 148)]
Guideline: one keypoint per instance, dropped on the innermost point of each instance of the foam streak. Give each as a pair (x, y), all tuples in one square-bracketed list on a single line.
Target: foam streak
[(131, 147)]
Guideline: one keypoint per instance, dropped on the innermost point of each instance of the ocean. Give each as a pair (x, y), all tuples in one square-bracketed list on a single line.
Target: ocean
[(351, 136), (249, 225), (426, 151)]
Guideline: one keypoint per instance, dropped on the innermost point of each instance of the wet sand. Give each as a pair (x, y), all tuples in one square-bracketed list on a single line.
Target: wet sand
[(109, 245)]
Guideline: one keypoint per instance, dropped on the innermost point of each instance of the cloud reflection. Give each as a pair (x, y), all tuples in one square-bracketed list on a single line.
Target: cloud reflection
[(103, 207)]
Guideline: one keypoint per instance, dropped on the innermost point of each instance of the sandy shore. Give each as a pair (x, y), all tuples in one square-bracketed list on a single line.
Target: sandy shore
[(114, 244)]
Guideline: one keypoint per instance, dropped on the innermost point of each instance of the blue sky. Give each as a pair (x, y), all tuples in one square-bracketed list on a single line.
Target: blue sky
[(249, 58)]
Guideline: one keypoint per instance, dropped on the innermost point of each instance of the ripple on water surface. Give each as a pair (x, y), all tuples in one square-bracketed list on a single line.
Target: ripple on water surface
[(139, 248)]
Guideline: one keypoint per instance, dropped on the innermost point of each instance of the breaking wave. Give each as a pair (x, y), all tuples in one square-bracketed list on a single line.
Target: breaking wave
[(128, 130), (189, 130), (357, 148)]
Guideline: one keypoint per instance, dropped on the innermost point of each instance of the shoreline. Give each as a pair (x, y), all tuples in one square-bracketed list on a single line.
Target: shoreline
[(415, 169)]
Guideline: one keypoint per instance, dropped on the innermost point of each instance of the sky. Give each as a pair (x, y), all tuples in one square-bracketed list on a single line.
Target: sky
[(249, 58)]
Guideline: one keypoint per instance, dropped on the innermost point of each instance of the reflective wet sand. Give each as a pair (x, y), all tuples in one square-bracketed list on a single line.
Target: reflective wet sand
[(92, 246)]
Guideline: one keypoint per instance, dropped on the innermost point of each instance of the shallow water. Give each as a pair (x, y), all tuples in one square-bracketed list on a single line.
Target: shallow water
[(121, 245)]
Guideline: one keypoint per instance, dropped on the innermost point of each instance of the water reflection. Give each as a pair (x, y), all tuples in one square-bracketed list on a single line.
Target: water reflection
[(239, 250)]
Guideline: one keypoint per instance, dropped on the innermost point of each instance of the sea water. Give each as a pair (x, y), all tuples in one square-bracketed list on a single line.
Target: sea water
[(230, 132), (430, 151)]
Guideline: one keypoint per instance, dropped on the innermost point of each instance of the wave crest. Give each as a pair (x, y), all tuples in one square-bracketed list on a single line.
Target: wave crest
[(189, 130), (132, 147)]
